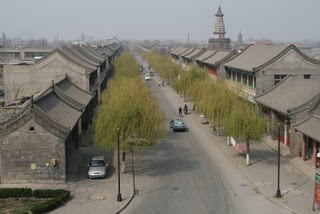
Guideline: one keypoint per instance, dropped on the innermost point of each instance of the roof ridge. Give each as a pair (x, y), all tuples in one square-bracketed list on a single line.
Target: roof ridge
[(274, 87)]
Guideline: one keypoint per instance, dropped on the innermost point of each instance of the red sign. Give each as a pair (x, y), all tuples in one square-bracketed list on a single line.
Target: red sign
[(316, 190)]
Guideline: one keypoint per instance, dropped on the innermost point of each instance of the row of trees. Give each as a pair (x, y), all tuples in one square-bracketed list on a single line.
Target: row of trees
[(128, 109), (229, 114)]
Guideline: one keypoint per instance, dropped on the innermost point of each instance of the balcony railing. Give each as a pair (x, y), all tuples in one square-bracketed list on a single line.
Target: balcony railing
[(247, 92)]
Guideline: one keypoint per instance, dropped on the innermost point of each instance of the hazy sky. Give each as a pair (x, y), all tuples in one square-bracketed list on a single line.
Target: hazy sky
[(281, 20)]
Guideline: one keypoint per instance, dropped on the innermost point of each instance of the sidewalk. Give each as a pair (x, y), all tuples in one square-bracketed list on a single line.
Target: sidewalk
[(296, 176)]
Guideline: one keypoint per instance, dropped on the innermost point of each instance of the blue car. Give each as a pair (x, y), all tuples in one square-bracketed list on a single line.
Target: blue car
[(177, 125)]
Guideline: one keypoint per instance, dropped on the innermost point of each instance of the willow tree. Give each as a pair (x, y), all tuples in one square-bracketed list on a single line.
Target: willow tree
[(188, 79), (245, 123), (128, 108)]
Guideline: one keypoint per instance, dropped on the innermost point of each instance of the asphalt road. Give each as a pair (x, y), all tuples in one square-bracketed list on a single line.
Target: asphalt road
[(188, 173)]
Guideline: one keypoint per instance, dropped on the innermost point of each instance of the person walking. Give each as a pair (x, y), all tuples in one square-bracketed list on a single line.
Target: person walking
[(180, 111)]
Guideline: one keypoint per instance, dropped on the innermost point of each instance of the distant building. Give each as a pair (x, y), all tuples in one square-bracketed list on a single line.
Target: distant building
[(240, 38), (219, 41)]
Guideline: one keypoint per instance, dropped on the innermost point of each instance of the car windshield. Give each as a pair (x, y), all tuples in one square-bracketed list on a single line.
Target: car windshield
[(97, 163), (179, 122)]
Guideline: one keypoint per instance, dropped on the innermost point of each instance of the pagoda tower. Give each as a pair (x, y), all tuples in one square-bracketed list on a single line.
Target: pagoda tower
[(219, 41)]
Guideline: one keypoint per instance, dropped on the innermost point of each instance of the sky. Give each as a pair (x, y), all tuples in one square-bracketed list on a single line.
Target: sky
[(277, 20)]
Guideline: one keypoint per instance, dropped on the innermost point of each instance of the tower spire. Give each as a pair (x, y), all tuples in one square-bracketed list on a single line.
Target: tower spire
[(219, 41), (219, 29)]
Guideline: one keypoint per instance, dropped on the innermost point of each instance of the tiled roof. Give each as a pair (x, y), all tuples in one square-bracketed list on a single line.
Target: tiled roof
[(191, 50), (108, 50), (289, 94), (67, 55), (194, 53), (57, 110), (310, 127), (182, 51), (87, 54), (82, 56), (105, 52), (176, 50), (74, 92), (96, 53), (78, 60), (205, 55), (255, 56), (217, 57)]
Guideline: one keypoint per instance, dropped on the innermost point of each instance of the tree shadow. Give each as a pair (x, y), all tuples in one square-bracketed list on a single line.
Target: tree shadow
[(164, 159)]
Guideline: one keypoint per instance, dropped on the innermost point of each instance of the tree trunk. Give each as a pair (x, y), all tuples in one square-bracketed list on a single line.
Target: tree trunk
[(248, 154)]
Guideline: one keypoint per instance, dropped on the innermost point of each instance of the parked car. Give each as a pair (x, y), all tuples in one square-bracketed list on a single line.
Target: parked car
[(203, 119), (98, 167), (177, 125), (147, 77), (151, 73)]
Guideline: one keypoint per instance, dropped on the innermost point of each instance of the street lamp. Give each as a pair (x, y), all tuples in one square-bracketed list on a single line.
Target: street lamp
[(132, 140), (119, 198), (278, 194)]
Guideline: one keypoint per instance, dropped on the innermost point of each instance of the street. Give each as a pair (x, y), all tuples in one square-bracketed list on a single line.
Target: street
[(188, 173)]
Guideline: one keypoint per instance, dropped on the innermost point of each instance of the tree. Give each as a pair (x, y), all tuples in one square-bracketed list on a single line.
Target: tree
[(245, 123), (127, 108)]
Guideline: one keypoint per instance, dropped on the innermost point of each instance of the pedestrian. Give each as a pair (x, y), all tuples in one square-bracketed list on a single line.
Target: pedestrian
[(180, 111), (163, 83), (185, 108), (159, 83)]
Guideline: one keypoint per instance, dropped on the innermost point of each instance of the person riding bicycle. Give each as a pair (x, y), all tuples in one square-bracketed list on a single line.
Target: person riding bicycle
[(180, 110), (185, 109)]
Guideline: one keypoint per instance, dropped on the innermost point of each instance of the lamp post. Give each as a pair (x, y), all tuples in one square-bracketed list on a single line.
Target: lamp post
[(278, 194), (119, 197), (132, 140)]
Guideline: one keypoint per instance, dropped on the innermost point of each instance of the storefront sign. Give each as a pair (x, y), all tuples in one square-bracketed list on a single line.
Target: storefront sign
[(316, 190)]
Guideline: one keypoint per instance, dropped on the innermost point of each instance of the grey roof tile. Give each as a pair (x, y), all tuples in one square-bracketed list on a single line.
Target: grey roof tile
[(310, 127), (206, 55), (78, 60), (74, 92), (255, 56), (193, 53), (290, 93), (218, 56), (94, 52), (189, 51), (57, 110), (82, 56)]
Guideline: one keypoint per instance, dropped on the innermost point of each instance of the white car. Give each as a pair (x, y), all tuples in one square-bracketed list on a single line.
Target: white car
[(98, 167), (147, 77)]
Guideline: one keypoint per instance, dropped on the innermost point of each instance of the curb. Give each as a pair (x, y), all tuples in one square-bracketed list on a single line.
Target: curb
[(126, 205)]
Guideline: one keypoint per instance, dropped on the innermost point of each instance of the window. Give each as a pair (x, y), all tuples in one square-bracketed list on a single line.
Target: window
[(278, 78), (307, 76), (250, 81)]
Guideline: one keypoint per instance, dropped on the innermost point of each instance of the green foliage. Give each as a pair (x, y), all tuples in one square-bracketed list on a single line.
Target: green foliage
[(59, 197), (15, 192), (128, 107), (245, 123)]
